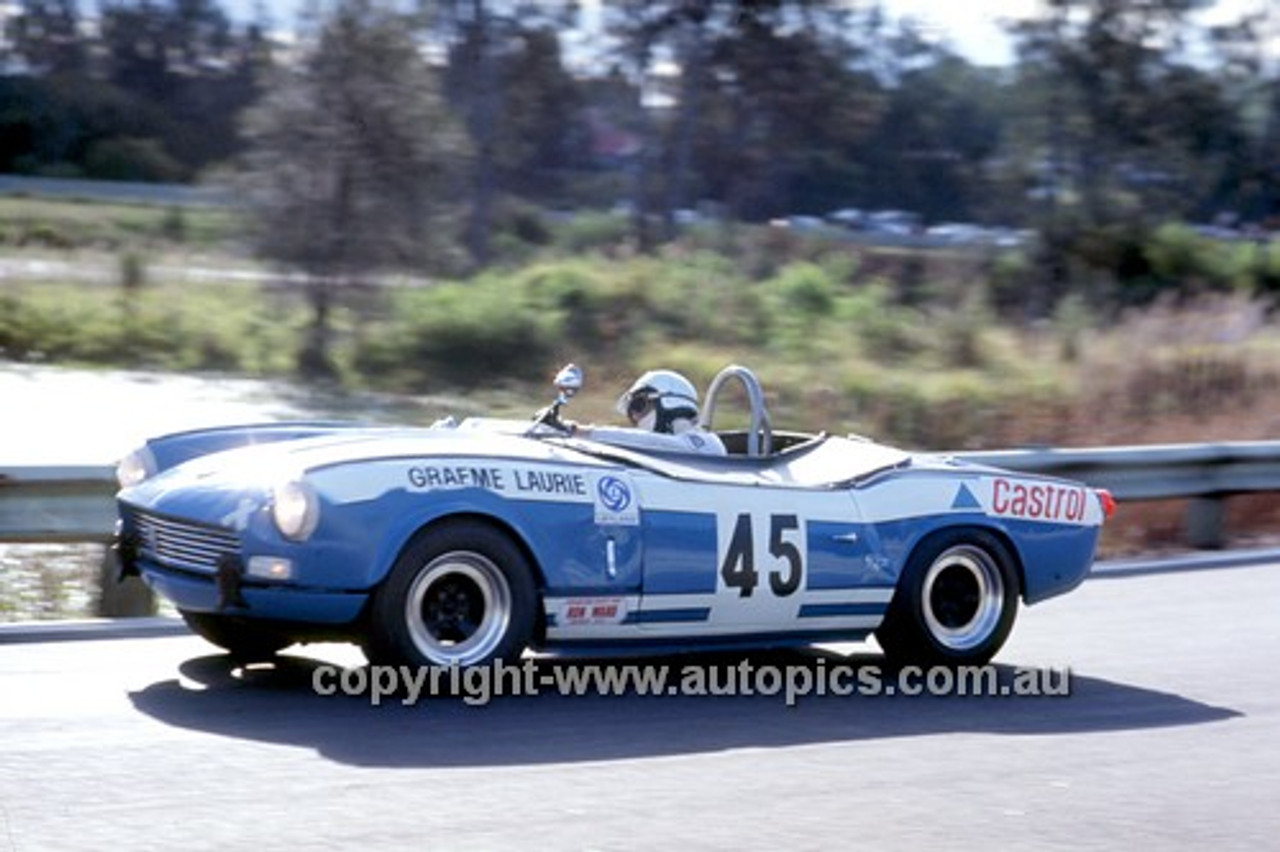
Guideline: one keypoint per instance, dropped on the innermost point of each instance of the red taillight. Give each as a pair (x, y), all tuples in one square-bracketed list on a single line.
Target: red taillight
[(1108, 503)]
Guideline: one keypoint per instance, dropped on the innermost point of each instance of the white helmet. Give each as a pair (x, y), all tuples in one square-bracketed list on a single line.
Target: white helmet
[(659, 398)]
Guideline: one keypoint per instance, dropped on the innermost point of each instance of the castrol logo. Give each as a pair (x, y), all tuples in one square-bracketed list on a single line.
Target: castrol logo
[(1038, 501)]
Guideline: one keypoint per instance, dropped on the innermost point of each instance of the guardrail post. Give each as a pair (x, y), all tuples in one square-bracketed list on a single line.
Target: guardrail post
[(47, 504), (1205, 522), (127, 598)]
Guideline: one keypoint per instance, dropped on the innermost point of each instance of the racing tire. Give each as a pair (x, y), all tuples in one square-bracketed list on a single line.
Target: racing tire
[(460, 594), (243, 638), (955, 603)]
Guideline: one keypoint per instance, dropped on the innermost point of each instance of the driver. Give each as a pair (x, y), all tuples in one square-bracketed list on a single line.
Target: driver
[(662, 405)]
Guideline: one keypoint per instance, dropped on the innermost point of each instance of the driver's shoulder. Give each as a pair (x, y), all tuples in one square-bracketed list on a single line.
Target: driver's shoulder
[(702, 441)]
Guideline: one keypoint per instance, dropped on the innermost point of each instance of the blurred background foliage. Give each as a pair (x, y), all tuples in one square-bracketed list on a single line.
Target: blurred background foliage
[(841, 343), (1112, 112)]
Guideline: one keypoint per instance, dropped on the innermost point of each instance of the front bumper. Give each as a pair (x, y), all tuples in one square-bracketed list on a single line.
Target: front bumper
[(198, 593), (201, 567)]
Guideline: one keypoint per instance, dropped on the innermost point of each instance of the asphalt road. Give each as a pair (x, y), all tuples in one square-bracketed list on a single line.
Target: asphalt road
[(1168, 740)]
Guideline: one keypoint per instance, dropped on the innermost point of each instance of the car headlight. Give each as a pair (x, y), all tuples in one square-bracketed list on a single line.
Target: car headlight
[(295, 509), (135, 468)]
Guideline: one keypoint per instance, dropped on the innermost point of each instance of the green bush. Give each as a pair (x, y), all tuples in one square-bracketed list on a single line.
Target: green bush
[(524, 221), (460, 335), (1011, 277), (799, 301), (1185, 262), (56, 224), (165, 327), (174, 225), (804, 289), (960, 330), (519, 230), (133, 159), (1263, 266), (46, 235), (879, 329), (828, 329), (588, 232), (133, 274), (596, 307), (42, 327)]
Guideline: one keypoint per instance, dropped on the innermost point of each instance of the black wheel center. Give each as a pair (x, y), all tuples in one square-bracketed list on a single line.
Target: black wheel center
[(955, 597), (453, 608)]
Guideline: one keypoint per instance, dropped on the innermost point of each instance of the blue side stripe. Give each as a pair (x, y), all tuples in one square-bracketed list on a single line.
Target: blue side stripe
[(662, 616), (821, 610)]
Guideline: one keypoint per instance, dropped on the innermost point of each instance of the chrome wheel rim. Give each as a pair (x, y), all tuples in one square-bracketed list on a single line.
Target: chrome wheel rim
[(962, 597), (458, 609)]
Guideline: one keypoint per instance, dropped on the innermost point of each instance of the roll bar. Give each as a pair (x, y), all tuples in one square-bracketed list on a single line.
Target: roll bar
[(760, 438)]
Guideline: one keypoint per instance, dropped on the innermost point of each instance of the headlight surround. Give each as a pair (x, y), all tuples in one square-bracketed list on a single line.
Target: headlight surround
[(295, 508), (135, 468)]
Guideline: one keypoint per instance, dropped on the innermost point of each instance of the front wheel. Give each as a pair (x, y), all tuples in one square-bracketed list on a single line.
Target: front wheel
[(460, 594), (955, 603)]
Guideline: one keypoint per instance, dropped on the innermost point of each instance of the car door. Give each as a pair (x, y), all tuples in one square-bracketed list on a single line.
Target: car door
[(726, 559)]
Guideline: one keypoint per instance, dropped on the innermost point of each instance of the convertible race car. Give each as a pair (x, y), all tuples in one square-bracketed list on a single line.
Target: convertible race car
[(471, 541)]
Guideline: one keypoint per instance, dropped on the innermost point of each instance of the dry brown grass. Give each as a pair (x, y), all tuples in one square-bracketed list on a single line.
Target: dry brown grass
[(1197, 373), (1156, 527), (1209, 371)]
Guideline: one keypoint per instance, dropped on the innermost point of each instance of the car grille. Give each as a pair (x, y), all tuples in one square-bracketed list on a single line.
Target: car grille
[(182, 544)]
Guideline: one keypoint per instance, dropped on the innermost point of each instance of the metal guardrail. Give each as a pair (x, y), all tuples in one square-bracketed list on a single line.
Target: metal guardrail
[(74, 503), (1173, 471), (52, 504), (49, 504), (1204, 474)]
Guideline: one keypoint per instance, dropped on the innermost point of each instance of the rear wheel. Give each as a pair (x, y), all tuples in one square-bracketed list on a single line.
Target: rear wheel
[(460, 594), (955, 603), (244, 638)]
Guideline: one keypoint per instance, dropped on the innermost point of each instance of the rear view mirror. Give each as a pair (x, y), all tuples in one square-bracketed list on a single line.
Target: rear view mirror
[(569, 380)]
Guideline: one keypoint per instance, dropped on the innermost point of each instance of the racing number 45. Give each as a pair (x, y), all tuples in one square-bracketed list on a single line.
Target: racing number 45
[(739, 567)]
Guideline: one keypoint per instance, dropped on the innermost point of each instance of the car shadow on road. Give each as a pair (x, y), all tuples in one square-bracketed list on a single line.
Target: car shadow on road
[(277, 703)]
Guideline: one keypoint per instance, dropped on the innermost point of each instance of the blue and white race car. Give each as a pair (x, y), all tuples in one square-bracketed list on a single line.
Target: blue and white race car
[(464, 543)]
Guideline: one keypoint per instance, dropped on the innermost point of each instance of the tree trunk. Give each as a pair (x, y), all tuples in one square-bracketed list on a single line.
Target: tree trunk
[(315, 360), (483, 121), (686, 123)]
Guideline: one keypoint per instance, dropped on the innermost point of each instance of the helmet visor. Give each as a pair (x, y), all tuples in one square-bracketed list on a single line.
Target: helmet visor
[(637, 403)]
